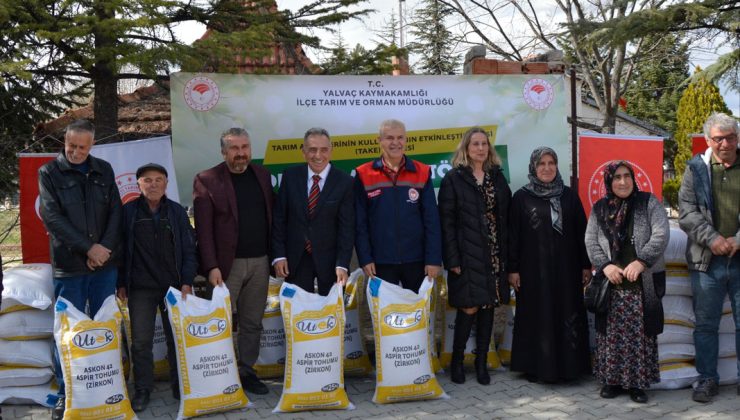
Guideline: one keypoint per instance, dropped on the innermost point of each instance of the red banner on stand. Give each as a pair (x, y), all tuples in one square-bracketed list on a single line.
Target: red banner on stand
[(35, 241), (698, 144), (597, 150)]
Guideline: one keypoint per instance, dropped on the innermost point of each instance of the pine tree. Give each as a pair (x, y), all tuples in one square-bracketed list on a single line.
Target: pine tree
[(434, 42), (88, 45), (360, 60), (700, 99)]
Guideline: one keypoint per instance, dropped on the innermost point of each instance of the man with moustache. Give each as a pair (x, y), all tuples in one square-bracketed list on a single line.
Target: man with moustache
[(398, 233), (709, 213), (159, 252), (80, 206), (233, 213), (313, 220)]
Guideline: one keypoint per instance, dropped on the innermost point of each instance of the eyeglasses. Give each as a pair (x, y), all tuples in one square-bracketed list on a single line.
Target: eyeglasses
[(730, 138)]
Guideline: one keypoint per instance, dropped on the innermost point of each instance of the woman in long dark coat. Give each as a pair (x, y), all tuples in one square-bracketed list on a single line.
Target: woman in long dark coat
[(626, 236), (548, 268), (473, 206)]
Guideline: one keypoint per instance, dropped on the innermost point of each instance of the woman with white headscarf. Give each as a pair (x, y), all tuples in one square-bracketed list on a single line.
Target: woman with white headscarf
[(548, 267)]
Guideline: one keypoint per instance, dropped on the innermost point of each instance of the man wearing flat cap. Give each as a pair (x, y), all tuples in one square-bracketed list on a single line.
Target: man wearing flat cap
[(159, 253)]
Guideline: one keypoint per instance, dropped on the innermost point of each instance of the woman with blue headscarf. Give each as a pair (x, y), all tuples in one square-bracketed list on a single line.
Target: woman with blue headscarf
[(548, 268), (626, 236)]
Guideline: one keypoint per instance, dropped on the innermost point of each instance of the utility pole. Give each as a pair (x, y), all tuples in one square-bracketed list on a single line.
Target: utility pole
[(400, 23)]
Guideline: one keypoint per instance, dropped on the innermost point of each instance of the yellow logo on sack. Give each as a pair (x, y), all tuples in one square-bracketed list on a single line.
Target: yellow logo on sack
[(403, 320), (272, 305), (315, 326), (208, 329), (93, 339)]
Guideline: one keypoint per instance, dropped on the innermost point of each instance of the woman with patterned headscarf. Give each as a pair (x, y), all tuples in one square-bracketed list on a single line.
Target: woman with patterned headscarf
[(625, 239), (548, 267)]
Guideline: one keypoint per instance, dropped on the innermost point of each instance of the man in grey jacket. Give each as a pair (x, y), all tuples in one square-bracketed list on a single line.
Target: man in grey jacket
[(709, 206)]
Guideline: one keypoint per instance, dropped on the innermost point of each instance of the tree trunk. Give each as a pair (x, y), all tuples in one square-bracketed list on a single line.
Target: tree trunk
[(104, 78), (610, 120)]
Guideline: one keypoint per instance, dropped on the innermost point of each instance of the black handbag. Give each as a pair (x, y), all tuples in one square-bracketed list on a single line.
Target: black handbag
[(596, 295)]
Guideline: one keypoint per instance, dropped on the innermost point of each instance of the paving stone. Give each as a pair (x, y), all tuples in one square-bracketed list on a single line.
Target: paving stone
[(508, 396)]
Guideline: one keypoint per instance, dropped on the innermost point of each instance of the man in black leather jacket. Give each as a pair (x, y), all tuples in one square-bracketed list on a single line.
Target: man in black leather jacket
[(81, 210)]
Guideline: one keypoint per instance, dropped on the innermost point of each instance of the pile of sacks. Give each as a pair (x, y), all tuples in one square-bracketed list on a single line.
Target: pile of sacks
[(26, 326), (676, 352)]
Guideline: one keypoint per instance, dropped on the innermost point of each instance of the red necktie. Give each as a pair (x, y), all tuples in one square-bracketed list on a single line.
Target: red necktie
[(313, 199)]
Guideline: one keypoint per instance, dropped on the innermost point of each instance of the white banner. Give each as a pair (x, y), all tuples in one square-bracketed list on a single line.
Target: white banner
[(520, 113), (126, 157)]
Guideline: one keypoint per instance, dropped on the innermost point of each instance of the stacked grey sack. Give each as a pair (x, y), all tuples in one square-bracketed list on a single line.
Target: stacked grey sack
[(676, 345), (26, 326), (676, 350)]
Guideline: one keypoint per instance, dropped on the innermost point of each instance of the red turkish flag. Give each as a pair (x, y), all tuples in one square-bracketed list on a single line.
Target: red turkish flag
[(645, 154), (698, 144), (34, 239)]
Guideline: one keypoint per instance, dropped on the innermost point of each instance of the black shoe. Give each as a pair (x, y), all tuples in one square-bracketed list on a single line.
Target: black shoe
[(457, 368), (176, 392), (530, 377), (463, 325), (639, 396), (484, 324), (140, 401), (253, 385), (57, 413), (705, 390), (611, 391)]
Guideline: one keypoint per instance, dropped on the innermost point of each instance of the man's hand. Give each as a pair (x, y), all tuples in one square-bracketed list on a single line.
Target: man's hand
[(735, 246), (281, 268), (369, 270), (456, 270), (121, 293), (214, 277), (98, 255), (613, 273), (432, 271), (722, 246), (342, 276), (586, 276), (633, 270), (186, 290), (515, 281)]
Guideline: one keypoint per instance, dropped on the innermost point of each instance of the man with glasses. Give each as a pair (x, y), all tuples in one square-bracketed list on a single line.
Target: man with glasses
[(709, 206), (314, 219)]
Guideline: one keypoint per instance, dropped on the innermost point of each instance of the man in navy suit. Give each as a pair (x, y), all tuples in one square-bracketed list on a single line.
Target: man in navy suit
[(313, 219)]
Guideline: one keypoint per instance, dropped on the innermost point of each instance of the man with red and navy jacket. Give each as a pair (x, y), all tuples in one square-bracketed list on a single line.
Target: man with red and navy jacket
[(398, 235)]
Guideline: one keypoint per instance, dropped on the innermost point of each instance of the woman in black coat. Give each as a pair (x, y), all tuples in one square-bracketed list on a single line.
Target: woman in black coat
[(474, 205), (548, 267)]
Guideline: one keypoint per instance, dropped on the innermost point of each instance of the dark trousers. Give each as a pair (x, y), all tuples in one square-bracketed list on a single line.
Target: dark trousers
[(408, 275), (305, 273), (142, 307), (80, 291)]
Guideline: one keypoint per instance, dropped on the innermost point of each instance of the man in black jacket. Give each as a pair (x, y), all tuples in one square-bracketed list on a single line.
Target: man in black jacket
[(81, 209), (159, 253), (314, 219)]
